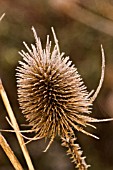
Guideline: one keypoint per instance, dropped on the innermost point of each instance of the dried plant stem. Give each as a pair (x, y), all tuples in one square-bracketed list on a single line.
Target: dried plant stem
[(10, 153), (2, 16), (16, 127), (82, 13), (74, 151)]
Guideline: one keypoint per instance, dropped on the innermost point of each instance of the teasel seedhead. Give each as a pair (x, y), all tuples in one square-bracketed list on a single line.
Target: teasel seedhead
[(53, 97)]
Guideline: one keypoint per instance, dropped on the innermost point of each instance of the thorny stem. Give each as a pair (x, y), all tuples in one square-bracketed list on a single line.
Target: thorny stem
[(74, 151), (16, 127), (10, 153)]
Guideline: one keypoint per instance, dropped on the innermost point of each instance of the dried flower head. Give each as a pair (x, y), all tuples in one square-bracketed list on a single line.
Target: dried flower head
[(53, 97)]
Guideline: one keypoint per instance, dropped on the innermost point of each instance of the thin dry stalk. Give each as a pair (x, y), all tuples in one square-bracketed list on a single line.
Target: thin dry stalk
[(2, 16), (16, 127), (82, 13), (10, 153)]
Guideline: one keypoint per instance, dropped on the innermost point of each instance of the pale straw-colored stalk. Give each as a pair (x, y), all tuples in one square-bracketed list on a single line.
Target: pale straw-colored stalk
[(10, 153), (16, 127)]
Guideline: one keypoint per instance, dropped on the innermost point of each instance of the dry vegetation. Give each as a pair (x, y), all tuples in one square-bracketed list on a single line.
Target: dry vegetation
[(57, 112)]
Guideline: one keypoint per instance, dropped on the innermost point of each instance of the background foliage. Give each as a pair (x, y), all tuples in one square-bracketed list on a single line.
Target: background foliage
[(80, 27)]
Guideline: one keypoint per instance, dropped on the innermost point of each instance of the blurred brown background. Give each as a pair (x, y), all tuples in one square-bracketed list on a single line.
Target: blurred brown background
[(81, 26)]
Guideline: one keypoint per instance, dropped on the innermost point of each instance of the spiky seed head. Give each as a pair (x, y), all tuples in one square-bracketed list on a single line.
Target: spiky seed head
[(53, 96), (51, 93)]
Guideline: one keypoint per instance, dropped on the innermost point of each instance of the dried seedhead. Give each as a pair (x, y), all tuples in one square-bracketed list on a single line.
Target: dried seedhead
[(53, 97)]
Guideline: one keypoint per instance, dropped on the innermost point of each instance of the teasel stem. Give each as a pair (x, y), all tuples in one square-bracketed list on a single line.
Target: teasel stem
[(16, 127), (10, 153), (74, 151)]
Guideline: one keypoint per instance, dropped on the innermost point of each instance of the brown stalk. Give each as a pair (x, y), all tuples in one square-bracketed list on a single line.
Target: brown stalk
[(74, 10), (75, 152), (16, 127), (10, 153), (2, 16)]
